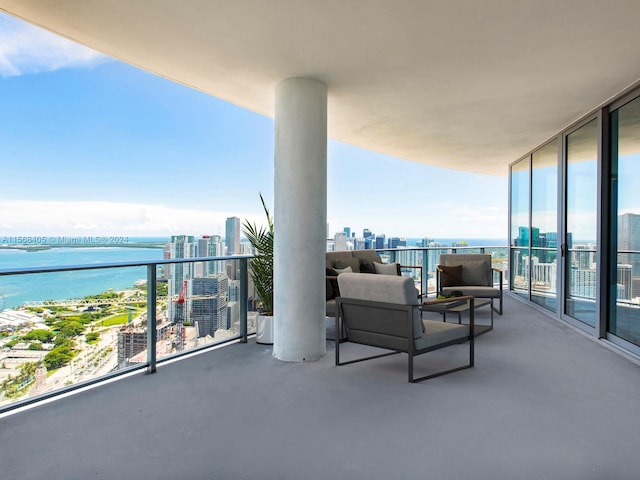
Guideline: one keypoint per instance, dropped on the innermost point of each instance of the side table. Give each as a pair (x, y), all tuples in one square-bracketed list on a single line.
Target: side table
[(459, 305)]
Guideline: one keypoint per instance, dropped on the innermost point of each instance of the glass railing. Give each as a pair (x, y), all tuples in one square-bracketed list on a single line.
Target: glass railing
[(624, 320), (78, 336), (74, 339), (420, 263)]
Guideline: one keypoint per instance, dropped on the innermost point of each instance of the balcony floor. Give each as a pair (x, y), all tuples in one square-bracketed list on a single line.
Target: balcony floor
[(543, 402)]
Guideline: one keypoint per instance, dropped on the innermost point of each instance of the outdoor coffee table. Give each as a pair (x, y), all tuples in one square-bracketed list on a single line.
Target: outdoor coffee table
[(455, 305)]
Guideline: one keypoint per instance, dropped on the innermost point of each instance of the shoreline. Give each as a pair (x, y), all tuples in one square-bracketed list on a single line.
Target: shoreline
[(41, 247)]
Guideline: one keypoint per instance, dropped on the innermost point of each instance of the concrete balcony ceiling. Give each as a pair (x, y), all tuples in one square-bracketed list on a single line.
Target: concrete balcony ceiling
[(468, 85)]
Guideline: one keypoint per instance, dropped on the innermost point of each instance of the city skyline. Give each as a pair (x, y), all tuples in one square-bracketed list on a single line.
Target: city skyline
[(93, 146)]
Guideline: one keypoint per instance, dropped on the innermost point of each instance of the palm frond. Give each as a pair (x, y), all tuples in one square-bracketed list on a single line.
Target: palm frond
[(261, 240)]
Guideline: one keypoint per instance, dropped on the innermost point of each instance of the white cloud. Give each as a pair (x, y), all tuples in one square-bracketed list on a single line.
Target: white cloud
[(433, 219), (25, 49), (44, 218)]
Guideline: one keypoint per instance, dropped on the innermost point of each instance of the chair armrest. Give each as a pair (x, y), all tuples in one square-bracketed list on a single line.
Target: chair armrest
[(417, 267), (499, 272), (332, 277)]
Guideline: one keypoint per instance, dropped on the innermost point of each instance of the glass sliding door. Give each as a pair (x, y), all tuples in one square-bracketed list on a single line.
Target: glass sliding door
[(580, 241), (544, 225), (520, 185), (624, 317)]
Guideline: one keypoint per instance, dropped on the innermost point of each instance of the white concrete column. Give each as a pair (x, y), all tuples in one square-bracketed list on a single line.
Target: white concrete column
[(300, 217)]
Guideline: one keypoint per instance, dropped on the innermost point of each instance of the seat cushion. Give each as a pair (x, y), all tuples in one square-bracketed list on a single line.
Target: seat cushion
[(436, 333), (450, 275)]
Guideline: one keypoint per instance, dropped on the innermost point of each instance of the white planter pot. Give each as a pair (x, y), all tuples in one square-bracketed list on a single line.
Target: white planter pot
[(264, 330)]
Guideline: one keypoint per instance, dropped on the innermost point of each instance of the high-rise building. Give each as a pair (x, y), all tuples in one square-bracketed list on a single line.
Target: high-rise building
[(359, 244), (180, 246), (380, 241), (583, 283), (368, 238), (629, 239), (347, 231), (340, 241), (584, 256), (395, 242), (543, 275), (210, 246), (523, 237), (232, 235), (624, 282), (207, 304)]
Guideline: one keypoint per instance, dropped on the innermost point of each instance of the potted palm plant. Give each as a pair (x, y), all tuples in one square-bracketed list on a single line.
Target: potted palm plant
[(261, 270)]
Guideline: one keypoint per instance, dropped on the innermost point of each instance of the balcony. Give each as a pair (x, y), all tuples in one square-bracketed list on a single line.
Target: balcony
[(543, 401)]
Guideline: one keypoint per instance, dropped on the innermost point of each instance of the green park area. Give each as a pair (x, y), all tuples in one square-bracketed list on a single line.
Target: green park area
[(71, 327)]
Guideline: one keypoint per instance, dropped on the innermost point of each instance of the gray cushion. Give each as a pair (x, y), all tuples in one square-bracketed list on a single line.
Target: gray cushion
[(476, 273), (440, 332), (386, 268)]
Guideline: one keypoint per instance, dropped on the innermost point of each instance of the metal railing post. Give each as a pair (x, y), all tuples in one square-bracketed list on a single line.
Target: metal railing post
[(151, 318), (244, 298), (424, 281)]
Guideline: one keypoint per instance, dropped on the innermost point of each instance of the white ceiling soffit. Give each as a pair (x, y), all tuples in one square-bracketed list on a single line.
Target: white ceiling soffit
[(463, 84)]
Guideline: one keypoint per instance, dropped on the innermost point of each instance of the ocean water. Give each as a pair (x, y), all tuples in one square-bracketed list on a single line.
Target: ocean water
[(471, 242), (16, 289)]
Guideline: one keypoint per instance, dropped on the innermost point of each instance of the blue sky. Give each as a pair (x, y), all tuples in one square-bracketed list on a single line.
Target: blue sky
[(93, 146)]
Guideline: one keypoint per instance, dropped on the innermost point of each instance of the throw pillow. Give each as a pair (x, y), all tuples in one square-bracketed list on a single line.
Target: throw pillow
[(366, 266), (386, 268), (346, 269), (450, 276)]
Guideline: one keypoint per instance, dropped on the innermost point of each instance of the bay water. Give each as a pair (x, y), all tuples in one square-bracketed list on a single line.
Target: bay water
[(16, 289)]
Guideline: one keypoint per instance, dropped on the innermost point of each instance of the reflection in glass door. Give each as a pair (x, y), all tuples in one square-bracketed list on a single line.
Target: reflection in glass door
[(580, 242), (544, 225), (520, 230), (624, 317)]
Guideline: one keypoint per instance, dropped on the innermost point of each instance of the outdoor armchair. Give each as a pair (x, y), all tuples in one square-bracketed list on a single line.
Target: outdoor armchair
[(469, 274), (383, 311)]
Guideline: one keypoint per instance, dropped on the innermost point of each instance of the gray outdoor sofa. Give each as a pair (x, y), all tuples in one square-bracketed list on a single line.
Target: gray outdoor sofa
[(355, 261)]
